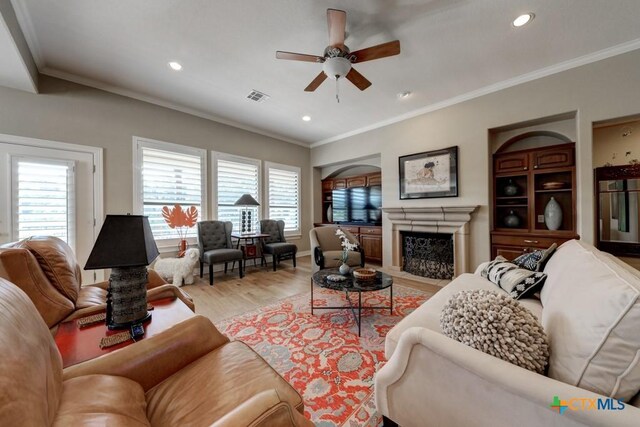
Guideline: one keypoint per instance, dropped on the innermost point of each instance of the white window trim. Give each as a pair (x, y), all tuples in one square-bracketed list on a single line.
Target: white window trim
[(295, 233), (167, 245), (217, 155)]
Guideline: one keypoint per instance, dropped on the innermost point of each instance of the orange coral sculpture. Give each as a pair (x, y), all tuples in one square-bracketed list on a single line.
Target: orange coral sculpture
[(180, 220)]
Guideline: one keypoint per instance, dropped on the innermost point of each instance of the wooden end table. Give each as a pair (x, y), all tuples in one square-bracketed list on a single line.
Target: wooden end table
[(351, 284), (78, 345), (251, 236)]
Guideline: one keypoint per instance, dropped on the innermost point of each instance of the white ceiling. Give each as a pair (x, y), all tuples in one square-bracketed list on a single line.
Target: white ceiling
[(451, 49)]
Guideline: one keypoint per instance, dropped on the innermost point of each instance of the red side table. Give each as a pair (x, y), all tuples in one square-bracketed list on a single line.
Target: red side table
[(78, 345)]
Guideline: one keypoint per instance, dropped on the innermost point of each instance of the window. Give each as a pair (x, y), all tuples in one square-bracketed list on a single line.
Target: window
[(43, 193), (168, 174), (284, 195), (234, 177)]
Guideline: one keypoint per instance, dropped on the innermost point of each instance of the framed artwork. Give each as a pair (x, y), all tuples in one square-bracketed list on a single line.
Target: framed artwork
[(429, 174)]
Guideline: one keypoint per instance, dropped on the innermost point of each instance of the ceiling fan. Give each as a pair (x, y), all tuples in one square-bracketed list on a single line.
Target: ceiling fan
[(338, 59)]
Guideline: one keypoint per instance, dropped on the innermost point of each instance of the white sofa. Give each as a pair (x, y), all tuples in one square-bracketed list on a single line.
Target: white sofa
[(590, 309)]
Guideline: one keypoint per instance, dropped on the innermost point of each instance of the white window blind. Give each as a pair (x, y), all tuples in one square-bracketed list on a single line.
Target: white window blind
[(169, 178), (43, 198), (284, 195), (236, 177)]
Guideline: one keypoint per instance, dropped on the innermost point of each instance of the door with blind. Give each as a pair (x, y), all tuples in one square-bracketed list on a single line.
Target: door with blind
[(48, 192)]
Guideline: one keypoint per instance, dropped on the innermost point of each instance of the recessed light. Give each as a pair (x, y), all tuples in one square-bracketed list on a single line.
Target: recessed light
[(306, 118), (523, 19), (404, 95), (175, 65)]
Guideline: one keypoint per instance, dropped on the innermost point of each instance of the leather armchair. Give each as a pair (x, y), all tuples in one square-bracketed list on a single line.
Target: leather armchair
[(276, 245), (214, 242), (188, 375), (46, 269), (326, 249)]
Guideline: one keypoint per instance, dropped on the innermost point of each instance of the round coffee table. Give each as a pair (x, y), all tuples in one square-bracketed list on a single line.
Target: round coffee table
[(351, 284)]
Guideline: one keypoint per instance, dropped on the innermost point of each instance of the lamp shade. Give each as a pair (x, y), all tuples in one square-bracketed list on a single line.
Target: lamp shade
[(246, 200), (124, 241)]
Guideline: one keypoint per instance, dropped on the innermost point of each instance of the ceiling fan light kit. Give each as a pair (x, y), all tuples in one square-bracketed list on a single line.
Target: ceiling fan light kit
[(337, 59), (336, 67)]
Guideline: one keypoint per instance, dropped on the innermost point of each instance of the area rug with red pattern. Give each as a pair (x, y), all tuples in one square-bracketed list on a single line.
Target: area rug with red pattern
[(321, 355)]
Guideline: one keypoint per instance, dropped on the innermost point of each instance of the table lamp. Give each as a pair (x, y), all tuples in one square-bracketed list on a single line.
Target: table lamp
[(245, 215), (126, 246)]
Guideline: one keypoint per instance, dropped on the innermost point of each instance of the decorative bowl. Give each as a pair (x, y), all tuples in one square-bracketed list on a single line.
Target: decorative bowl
[(364, 273), (554, 185)]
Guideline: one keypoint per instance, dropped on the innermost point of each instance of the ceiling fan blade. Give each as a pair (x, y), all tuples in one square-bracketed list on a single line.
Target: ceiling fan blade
[(336, 22), (316, 82), (298, 57), (376, 52), (358, 79)]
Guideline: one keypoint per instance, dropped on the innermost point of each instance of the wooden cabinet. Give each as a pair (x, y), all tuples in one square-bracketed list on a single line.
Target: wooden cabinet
[(556, 157), (511, 162), (374, 180), (356, 181), (339, 183), (524, 183), (327, 184)]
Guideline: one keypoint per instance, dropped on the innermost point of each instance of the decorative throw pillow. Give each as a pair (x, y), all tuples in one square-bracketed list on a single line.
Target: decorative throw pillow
[(536, 260), (497, 325), (517, 282)]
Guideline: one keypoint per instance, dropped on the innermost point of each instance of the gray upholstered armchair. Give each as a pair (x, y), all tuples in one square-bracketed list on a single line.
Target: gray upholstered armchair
[(326, 249), (276, 245), (214, 242)]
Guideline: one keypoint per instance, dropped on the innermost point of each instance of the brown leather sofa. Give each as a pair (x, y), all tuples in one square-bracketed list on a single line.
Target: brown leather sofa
[(188, 375), (46, 269)]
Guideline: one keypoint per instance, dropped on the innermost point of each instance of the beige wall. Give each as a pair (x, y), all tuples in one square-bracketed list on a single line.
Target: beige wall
[(77, 114), (598, 91), (609, 146)]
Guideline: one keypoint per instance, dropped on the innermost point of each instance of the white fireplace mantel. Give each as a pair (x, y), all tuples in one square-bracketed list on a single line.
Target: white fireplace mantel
[(440, 219)]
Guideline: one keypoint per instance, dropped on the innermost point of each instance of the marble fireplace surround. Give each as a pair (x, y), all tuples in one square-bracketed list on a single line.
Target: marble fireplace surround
[(441, 219)]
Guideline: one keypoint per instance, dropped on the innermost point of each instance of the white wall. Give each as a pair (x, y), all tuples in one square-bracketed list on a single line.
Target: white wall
[(598, 91), (69, 112)]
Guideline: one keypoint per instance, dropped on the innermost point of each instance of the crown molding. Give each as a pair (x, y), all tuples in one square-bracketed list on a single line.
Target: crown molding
[(162, 103), (524, 78)]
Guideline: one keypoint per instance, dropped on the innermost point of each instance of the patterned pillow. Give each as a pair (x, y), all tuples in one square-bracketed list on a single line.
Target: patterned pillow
[(517, 282), (536, 260)]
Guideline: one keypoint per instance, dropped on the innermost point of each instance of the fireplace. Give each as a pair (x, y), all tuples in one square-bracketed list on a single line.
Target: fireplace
[(428, 254), (452, 221)]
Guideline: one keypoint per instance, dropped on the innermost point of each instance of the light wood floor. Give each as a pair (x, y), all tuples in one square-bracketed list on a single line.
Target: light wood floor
[(231, 296)]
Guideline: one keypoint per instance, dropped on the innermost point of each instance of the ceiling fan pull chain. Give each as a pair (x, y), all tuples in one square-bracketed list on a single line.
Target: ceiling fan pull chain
[(337, 90)]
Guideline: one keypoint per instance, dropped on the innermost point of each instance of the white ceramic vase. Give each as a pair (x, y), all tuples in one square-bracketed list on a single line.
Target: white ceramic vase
[(344, 268), (329, 214), (553, 215)]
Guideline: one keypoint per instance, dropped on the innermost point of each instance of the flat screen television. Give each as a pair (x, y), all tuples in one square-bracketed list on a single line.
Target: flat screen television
[(359, 205)]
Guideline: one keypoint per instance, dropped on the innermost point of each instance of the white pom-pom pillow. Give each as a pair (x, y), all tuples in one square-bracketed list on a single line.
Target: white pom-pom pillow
[(497, 325)]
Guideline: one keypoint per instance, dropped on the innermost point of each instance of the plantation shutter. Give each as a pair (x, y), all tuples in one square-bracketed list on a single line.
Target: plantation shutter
[(236, 178), (43, 198), (284, 197), (169, 178)]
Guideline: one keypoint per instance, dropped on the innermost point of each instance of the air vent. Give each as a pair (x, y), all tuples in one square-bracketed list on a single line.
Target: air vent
[(257, 96)]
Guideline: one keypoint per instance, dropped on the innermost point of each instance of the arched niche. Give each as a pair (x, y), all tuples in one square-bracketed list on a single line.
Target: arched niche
[(533, 139)]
